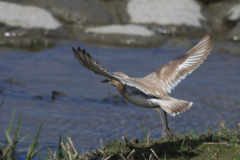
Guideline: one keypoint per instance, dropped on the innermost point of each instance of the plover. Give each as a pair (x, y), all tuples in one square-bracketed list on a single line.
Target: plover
[(152, 91)]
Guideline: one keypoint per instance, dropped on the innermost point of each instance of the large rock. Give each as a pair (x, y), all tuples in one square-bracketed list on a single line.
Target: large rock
[(74, 12), (165, 12), (26, 16), (122, 35), (234, 15), (234, 12), (122, 29), (234, 34), (220, 16)]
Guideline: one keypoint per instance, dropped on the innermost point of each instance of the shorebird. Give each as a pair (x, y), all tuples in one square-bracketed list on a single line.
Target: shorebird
[(152, 91)]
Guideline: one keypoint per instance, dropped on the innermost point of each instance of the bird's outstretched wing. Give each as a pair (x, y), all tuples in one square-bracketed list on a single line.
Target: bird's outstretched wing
[(170, 74), (87, 61)]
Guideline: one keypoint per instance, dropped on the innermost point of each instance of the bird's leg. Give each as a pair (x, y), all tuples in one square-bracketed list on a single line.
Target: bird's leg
[(167, 130), (160, 114)]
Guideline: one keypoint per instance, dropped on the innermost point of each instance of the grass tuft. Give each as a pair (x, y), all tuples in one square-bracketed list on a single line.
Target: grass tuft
[(9, 151), (144, 132), (34, 148)]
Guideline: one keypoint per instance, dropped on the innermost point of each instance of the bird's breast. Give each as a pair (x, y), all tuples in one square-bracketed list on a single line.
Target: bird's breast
[(138, 98)]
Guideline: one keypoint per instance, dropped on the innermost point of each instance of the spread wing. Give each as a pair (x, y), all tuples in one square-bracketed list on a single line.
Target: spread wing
[(87, 61), (171, 73)]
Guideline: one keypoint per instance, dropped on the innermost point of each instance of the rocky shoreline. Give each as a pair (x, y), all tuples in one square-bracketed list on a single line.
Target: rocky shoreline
[(33, 24)]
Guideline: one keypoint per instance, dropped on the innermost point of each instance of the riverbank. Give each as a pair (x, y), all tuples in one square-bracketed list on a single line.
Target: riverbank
[(219, 144)]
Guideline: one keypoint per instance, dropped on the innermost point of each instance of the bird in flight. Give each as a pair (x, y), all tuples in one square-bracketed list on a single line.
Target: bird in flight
[(152, 90)]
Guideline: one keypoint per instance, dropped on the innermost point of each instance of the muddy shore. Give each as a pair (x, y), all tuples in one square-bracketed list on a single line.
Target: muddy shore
[(28, 26)]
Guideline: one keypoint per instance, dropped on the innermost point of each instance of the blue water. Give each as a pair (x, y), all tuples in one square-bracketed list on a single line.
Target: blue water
[(89, 110)]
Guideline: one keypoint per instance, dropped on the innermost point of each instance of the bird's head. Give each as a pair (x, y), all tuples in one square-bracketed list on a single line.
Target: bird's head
[(114, 82)]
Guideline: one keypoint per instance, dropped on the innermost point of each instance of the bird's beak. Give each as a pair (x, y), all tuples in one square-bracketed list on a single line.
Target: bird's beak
[(105, 81)]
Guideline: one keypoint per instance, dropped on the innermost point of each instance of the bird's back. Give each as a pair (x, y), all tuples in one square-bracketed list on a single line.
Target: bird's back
[(150, 85)]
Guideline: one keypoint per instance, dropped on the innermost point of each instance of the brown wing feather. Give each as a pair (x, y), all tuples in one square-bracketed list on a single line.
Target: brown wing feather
[(170, 74), (87, 61)]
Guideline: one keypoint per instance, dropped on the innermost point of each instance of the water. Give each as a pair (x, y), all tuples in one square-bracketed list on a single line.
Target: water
[(89, 110)]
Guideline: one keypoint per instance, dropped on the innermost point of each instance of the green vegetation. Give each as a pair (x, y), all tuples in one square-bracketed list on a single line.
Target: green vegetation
[(8, 151), (222, 144)]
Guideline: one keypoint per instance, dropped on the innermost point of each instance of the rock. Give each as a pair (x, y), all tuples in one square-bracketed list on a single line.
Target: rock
[(122, 35), (121, 40), (82, 12), (122, 29), (217, 13), (224, 19), (28, 27), (207, 2), (26, 16), (165, 12), (234, 15), (116, 9), (234, 34), (234, 12), (74, 12), (32, 44)]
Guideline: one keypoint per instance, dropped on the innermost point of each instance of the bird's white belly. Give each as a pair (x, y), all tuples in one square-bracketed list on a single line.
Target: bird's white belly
[(141, 101)]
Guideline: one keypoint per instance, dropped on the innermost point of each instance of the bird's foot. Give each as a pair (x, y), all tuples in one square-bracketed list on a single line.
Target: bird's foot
[(168, 132)]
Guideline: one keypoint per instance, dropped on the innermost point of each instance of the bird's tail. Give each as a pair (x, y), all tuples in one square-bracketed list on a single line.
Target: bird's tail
[(174, 106)]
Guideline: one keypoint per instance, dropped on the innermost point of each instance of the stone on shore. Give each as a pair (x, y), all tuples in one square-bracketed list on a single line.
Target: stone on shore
[(234, 13), (75, 12), (234, 34), (129, 29), (165, 12), (122, 35), (27, 17)]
